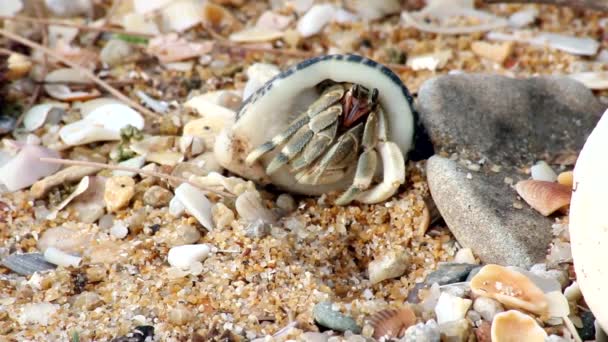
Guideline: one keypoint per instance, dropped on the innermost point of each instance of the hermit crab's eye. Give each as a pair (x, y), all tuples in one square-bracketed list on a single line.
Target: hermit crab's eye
[(330, 123)]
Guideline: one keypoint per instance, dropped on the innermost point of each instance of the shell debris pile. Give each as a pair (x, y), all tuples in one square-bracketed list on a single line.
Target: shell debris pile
[(210, 143)]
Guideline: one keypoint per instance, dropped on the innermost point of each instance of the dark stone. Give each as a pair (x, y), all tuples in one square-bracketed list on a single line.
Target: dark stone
[(142, 333), (587, 332), (480, 213), (7, 124), (506, 120), (449, 273)]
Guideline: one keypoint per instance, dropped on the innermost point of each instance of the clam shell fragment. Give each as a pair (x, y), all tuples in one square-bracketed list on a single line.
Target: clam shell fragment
[(392, 323), (514, 326), (511, 288), (545, 197), (27, 264)]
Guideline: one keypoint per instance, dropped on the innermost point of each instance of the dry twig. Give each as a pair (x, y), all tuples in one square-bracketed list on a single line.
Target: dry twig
[(47, 21), (600, 5), (134, 170), (82, 70)]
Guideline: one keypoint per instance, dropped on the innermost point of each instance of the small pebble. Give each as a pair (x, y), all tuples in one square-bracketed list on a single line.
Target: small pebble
[(180, 315), (495, 52), (387, 266), (484, 332), (157, 196), (543, 172), (286, 203), (257, 229), (249, 206), (196, 203), (106, 222), (422, 332), (315, 19), (314, 337), (118, 193), (326, 316), (184, 256), (474, 317), (88, 301), (451, 308), (119, 230), (465, 256), (65, 239), (457, 331), (222, 215), (185, 234), (448, 273), (487, 307), (176, 207), (7, 124), (115, 52)]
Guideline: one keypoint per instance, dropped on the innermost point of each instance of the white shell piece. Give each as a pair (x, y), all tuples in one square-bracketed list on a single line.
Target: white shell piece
[(588, 221), (196, 204), (36, 116), (186, 255), (268, 112), (61, 258), (103, 123)]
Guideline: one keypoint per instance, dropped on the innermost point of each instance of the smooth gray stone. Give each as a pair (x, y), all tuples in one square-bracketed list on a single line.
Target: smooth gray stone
[(334, 320), (506, 120), (480, 213)]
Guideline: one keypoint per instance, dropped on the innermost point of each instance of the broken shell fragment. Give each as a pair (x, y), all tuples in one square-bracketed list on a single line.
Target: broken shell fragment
[(60, 258), (102, 124), (63, 92), (196, 203), (545, 197), (18, 66), (25, 168), (514, 326), (39, 114), (26, 264), (256, 35), (392, 323), (186, 255), (249, 206), (511, 288)]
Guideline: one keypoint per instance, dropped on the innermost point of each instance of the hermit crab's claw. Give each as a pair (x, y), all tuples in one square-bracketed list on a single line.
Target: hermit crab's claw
[(393, 176)]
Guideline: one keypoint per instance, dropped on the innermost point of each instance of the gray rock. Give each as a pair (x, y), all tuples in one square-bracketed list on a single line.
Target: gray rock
[(480, 213), (257, 229), (487, 308), (334, 320), (474, 272), (27, 264), (422, 332), (455, 331), (449, 272), (505, 120), (543, 281)]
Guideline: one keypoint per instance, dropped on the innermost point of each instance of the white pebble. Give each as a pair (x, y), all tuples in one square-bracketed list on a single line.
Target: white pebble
[(387, 266), (523, 18), (451, 308), (543, 172), (185, 256), (315, 19), (176, 208), (37, 313), (465, 256), (487, 307), (119, 230), (61, 258), (249, 206), (196, 203)]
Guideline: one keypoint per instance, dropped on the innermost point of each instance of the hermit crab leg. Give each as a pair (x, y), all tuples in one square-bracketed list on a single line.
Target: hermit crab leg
[(319, 144), (393, 164), (329, 97), (335, 162), (366, 165), (302, 138)]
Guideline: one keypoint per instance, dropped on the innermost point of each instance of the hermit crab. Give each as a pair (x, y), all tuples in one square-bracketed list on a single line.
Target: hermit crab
[(330, 123)]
